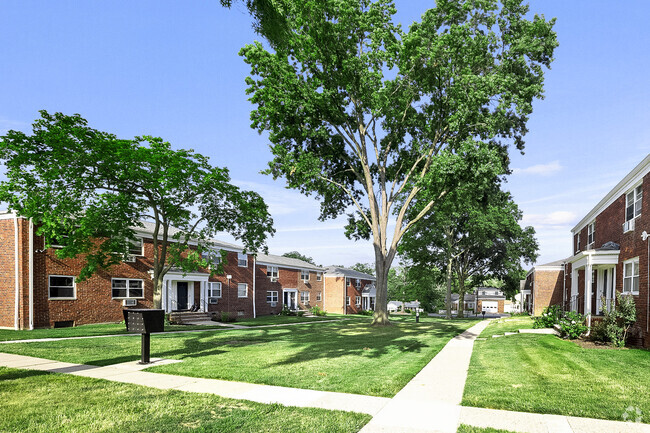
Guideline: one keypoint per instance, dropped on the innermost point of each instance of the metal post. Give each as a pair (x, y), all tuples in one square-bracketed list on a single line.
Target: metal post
[(145, 348)]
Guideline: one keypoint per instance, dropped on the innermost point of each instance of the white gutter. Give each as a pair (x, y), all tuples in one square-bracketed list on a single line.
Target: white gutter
[(254, 267), (31, 274), (17, 285)]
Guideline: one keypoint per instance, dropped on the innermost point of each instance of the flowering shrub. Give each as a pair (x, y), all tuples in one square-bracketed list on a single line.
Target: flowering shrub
[(617, 323), (572, 325), (549, 317)]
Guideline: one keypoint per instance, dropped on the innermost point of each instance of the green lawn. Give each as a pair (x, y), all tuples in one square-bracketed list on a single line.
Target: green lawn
[(281, 320), (85, 330), (470, 429), (33, 401), (346, 356), (544, 374), (499, 326)]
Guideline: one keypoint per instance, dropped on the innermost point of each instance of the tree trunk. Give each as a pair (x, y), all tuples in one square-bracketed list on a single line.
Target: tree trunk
[(448, 299), (381, 303), (157, 291), (461, 302)]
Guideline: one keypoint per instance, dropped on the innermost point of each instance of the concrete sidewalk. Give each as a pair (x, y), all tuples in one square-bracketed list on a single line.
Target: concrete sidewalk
[(129, 372)]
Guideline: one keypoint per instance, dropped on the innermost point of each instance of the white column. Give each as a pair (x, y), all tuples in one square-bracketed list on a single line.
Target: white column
[(574, 289), (588, 288), (600, 285)]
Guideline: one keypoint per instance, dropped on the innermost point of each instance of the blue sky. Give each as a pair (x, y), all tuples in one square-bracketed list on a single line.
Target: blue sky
[(171, 69)]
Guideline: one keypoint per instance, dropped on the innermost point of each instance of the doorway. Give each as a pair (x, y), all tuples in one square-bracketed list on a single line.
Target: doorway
[(290, 299), (181, 295)]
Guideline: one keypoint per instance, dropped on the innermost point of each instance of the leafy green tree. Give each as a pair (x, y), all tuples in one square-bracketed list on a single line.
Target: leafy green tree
[(297, 255), (366, 268), (364, 114), (268, 18), (89, 191)]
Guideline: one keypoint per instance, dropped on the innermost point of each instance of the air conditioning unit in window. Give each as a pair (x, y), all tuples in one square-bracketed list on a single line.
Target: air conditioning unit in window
[(213, 301), (274, 304), (274, 280), (129, 302), (628, 226), (130, 258)]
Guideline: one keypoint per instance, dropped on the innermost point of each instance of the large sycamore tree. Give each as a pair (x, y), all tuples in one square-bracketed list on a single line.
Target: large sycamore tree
[(360, 112), (89, 191)]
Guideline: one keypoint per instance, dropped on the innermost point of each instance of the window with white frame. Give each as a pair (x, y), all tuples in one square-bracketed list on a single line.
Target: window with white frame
[(347, 282), (61, 287), (242, 260), (319, 276), (272, 272), (126, 288), (347, 300), (242, 290), (633, 203), (357, 301), (304, 297), (271, 296), (304, 275), (358, 283), (318, 296), (591, 228), (631, 276), (136, 247), (212, 257), (214, 290)]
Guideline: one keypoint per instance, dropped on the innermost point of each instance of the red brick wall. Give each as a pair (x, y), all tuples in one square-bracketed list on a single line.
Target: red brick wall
[(230, 302), (547, 289), (333, 297), (7, 274)]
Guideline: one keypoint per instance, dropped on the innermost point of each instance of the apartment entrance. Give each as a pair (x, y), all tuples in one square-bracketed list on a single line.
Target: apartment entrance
[(290, 298)]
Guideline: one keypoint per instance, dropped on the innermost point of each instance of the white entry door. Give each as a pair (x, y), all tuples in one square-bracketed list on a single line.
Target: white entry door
[(290, 299)]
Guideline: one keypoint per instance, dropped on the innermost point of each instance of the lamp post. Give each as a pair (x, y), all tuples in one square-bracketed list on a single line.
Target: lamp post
[(228, 277)]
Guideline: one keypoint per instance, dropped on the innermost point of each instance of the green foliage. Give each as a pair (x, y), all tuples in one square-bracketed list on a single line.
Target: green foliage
[(318, 311), (550, 316), (572, 325), (366, 268), (619, 320), (227, 317), (366, 312), (364, 114), (297, 255), (91, 191)]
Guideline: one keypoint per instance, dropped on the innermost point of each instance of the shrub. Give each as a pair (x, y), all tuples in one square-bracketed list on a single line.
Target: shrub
[(317, 311), (287, 312), (598, 331), (366, 312), (619, 320), (572, 325), (550, 316), (299, 313), (407, 310), (227, 317)]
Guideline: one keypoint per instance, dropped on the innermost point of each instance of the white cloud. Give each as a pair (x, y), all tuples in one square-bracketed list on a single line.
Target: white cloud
[(313, 228), (557, 218), (540, 169)]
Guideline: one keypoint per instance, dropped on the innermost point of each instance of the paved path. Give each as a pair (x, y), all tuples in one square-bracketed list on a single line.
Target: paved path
[(430, 402)]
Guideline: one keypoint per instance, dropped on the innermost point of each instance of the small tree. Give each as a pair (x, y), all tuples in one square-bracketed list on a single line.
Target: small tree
[(366, 268), (89, 191), (619, 320), (299, 256)]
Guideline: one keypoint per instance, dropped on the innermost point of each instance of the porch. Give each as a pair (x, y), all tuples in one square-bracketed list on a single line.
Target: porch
[(599, 267), (181, 291)]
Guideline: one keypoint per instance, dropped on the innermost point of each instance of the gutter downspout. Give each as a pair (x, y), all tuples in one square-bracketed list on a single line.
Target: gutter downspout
[(17, 285), (31, 273), (254, 298)]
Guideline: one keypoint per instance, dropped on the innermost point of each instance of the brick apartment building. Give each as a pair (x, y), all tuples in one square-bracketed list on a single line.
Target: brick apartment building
[(348, 291), (38, 289), (611, 254)]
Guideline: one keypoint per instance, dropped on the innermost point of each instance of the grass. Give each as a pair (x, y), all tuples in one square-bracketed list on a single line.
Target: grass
[(346, 356), (463, 428), (281, 320), (85, 331), (499, 326), (43, 402), (544, 374)]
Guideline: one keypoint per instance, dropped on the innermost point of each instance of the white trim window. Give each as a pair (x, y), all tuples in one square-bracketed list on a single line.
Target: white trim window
[(591, 229), (633, 201), (242, 260), (347, 301), (271, 296), (122, 288), (358, 283), (136, 248), (319, 276), (304, 275), (357, 301), (578, 242), (242, 290), (61, 287), (348, 281), (631, 276), (214, 290), (212, 257), (319, 296), (272, 272), (304, 297)]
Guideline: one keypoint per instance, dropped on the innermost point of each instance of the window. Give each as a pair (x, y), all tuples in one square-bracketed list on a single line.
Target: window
[(633, 203), (214, 290), (347, 282), (631, 276), (358, 283), (135, 247), (61, 287), (212, 257), (304, 297), (578, 242), (304, 275), (272, 272), (347, 300), (124, 288), (242, 290), (272, 296), (357, 301), (242, 260), (319, 276), (591, 228), (318, 296)]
